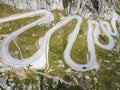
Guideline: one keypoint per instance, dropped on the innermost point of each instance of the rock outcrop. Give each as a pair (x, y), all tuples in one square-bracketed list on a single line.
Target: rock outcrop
[(92, 8), (88, 8), (35, 4)]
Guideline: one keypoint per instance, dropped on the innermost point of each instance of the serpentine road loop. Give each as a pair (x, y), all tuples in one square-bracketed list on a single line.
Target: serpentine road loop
[(37, 56), (106, 28), (39, 60), (92, 62)]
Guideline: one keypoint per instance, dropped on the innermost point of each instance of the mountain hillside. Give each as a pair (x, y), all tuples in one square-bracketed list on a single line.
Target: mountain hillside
[(59, 44), (88, 8)]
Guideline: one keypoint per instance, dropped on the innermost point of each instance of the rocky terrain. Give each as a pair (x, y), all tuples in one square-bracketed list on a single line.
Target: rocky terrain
[(60, 76), (88, 8)]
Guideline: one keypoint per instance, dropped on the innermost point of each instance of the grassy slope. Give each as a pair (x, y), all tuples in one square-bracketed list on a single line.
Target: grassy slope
[(56, 49), (79, 50), (8, 10), (23, 40), (117, 2), (107, 76), (27, 40)]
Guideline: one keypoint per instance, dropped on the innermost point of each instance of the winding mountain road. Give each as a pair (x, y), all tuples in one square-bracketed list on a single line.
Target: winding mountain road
[(39, 60), (105, 27), (39, 55), (92, 62)]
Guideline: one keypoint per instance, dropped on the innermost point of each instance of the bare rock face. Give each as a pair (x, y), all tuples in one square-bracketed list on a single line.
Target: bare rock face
[(87, 8), (35, 4), (91, 8), (5, 84)]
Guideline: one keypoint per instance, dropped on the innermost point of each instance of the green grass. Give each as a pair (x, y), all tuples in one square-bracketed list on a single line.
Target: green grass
[(56, 16), (8, 10), (80, 50), (103, 39), (1, 37), (27, 41), (108, 75), (11, 26), (56, 49), (117, 2), (14, 51)]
